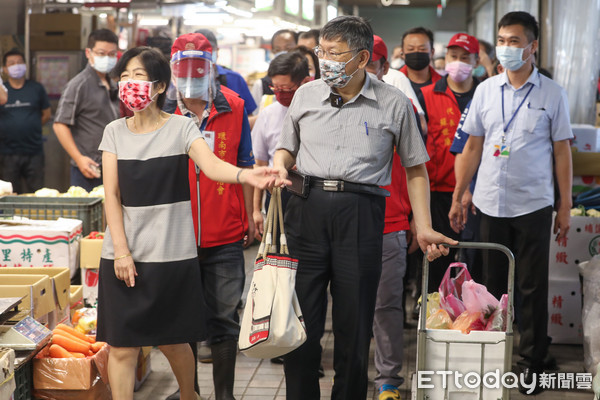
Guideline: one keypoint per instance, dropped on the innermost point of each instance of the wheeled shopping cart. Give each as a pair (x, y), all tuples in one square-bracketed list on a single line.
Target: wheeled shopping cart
[(452, 365)]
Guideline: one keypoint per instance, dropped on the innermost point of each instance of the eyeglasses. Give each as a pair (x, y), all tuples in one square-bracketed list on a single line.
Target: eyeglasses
[(281, 89), (330, 54), (102, 53)]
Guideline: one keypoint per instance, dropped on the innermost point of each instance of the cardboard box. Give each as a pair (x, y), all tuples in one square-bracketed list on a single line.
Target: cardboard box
[(564, 311), (76, 299), (585, 163), (69, 373), (98, 391), (581, 244), (586, 138), (59, 31), (56, 22), (61, 282), (91, 250), (143, 368), (36, 290), (39, 243)]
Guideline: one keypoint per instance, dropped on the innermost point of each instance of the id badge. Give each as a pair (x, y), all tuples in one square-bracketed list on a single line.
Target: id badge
[(209, 136), (501, 150)]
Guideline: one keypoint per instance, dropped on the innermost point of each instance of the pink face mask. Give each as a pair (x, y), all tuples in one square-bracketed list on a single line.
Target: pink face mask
[(136, 94), (458, 71)]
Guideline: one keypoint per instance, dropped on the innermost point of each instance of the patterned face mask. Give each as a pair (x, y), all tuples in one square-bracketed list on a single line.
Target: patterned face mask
[(334, 72), (136, 94)]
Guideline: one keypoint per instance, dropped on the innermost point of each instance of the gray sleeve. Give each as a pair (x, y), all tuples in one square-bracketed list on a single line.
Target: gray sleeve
[(191, 132), (108, 139), (67, 106), (290, 130), (410, 146)]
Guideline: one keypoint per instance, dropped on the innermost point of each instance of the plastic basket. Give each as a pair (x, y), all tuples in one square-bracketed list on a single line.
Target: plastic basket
[(23, 381), (86, 209)]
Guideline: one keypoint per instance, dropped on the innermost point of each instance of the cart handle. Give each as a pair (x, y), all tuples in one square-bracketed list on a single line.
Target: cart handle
[(472, 245)]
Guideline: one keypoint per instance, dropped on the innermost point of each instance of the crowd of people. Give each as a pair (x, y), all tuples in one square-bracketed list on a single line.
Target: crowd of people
[(400, 152)]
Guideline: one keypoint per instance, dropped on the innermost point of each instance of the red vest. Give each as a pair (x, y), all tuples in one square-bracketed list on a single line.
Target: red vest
[(444, 116), (434, 74), (223, 218), (397, 206)]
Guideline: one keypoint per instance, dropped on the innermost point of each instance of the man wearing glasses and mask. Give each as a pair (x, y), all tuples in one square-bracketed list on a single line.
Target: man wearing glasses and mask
[(87, 105), (341, 132)]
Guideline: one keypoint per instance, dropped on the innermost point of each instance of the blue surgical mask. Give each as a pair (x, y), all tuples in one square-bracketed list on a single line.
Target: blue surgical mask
[(479, 71), (334, 72), (511, 58), (193, 88), (104, 64)]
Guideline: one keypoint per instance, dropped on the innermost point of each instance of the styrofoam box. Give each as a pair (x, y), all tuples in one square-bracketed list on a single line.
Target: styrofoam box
[(465, 358), (586, 138), (564, 311)]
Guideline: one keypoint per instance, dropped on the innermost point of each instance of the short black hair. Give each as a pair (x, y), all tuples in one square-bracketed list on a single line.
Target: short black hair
[(155, 63), (12, 52), (102, 35), (488, 48), (282, 32), (292, 63), (419, 31), (311, 34), (310, 52), (526, 20), (355, 31)]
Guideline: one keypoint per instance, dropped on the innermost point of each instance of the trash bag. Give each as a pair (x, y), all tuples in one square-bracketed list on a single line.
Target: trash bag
[(590, 271), (439, 320)]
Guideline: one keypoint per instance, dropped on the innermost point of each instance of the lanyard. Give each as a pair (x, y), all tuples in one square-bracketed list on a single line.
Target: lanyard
[(505, 126)]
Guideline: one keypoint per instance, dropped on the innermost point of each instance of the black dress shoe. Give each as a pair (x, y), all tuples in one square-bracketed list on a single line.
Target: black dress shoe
[(529, 375), (277, 360), (173, 396)]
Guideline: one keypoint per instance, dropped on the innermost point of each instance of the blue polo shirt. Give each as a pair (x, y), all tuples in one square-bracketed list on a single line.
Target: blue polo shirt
[(21, 119), (237, 83)]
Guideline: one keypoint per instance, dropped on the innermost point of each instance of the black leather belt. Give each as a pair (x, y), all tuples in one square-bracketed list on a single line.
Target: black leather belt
[(333, 185)]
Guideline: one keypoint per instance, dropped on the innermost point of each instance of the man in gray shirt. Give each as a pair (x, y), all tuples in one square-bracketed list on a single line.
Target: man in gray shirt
[(89, 102), (342, 131)]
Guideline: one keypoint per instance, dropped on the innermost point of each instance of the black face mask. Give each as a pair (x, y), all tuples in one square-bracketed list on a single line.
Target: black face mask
[(417, 61)]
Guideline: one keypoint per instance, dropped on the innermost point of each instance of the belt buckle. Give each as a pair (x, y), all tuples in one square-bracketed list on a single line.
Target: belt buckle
[(333, 185)]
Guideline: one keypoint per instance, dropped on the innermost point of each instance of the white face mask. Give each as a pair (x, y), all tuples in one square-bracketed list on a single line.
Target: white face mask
[(510, 57), (396, 63), (17, 71), (104, 64)]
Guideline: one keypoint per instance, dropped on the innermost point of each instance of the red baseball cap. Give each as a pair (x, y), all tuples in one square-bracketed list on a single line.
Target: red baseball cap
[(379, 49), (190, 55), (465, 41)]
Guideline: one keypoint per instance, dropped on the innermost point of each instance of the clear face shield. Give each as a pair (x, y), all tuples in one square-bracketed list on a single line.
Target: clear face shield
[(192, 75)]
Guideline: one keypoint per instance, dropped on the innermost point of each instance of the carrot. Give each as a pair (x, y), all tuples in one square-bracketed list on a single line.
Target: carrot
[(97, 346), (77, 355), (69, 336), (69, 344), (74, 332), (57, 351)]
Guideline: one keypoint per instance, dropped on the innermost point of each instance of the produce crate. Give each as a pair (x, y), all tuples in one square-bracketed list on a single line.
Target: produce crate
[(86, 209), (24, 381)]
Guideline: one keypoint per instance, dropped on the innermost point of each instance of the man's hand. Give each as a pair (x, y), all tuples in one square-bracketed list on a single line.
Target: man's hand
[(411, 238), (250, 234), (562, 222), (457, 216), (88, 167), (281, 177), (429, 241), (259, 224)]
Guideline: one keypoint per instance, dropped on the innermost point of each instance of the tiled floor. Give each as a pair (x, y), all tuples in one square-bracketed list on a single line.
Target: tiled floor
[(260, 379)]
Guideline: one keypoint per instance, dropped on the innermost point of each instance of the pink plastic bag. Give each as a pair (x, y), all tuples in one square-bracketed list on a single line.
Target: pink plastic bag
[(451, 289), (477, 299), (497, 321)]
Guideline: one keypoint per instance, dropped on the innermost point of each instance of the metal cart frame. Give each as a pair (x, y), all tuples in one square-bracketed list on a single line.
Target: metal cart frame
[(426, 338)]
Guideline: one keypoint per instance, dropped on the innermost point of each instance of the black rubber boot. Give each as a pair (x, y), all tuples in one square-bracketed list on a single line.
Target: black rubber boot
[(223, 355)]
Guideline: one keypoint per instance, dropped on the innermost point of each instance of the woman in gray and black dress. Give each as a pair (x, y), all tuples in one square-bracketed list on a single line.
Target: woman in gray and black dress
[(149, 293)]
